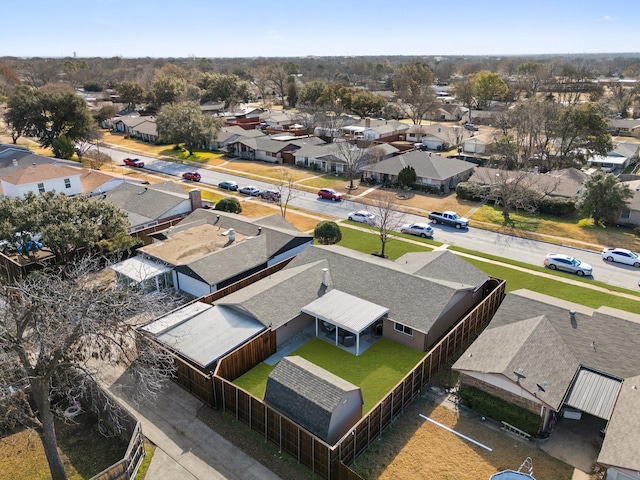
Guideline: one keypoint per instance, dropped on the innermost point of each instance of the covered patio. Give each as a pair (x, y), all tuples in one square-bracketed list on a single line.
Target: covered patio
[(146, 274), (344, 317)]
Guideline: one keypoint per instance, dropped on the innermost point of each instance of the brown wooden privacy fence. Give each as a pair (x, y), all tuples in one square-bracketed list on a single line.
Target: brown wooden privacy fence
[(327, 461), (126, 468)]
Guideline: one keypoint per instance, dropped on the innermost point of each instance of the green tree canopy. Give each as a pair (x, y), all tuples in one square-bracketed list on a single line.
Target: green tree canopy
[(367, 104), (130, 93), (487, 86), (327, 233), (229, 89), (185, 123), (603, 197), (166, 89), (229, 204), (67, 224), (407, 176)]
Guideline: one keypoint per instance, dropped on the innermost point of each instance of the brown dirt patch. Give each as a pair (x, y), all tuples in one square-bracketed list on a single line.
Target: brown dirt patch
[(416, 448)]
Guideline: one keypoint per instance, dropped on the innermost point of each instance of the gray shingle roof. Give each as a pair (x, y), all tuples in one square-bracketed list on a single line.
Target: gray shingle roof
[(306, 393), (443, 265), (412, 300), (144, 203), (426, 166)]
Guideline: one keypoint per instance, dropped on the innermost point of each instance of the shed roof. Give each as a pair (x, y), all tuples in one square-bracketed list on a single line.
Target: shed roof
[(139, 268), (204, 333)]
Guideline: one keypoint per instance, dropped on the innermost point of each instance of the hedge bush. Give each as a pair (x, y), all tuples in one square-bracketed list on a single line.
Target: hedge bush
[(499, 410), (229, 204)]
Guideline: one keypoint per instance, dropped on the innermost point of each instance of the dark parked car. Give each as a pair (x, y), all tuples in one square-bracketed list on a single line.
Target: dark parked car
[(271, 195), (228, 185), (329, 194), (134, 162), (193, 176), (471, 127)]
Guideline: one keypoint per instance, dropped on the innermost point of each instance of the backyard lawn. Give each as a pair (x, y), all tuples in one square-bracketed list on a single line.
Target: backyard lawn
[(376, 371)]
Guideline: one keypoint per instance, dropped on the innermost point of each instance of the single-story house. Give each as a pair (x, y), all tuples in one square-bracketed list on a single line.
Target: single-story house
[(209, 250), (431, 169), (625, 127), (148, 205), (437, 136), (346, 296), (631, 214), (279, 120), (229, 134), (263, 148), (325, 156), (448, 112), (147, 131), (212, 108), (125, 123), (616, 160), (316, 399), (19, 179), (564, 183), (480, 143), (391, 128), (559, 359)]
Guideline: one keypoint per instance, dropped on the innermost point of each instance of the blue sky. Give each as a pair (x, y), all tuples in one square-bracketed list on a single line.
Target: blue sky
[(248, 28)]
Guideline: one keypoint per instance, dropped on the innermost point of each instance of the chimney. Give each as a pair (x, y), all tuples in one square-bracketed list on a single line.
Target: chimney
[(325, 277), (195, 196), (259, 230)]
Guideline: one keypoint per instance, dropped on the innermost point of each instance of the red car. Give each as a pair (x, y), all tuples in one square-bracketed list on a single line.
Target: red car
[(134, 162), (193, 176), (329, 194)]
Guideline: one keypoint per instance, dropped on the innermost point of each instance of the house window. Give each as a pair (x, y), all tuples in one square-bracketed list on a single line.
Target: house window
[(626, 213), (67, 183), (398, 327), (41, 187)]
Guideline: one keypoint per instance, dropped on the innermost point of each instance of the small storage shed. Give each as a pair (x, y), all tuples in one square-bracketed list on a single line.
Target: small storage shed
[(321, 402)]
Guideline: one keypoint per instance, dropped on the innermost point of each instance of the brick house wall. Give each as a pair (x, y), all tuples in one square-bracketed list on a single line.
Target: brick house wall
[(500, 393)]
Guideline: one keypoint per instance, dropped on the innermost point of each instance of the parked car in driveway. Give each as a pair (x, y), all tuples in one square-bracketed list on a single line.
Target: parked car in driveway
[(423, 230), (557, 261), (329, 194), (621, 255), (250, 190), (193, 176), (271, 195), (362, 216), (228, 185), (134, 162)]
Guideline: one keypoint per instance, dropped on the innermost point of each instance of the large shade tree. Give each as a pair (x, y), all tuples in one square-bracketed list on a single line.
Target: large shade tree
[(66, 224), (59, 331), (413, 84), (185, 123)]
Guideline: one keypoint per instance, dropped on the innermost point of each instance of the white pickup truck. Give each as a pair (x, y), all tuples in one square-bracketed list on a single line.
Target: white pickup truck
[(449, 218)]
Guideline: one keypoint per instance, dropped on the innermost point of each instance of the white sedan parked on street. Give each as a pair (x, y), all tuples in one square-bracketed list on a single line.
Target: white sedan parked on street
[(621, 255), (363, 216)]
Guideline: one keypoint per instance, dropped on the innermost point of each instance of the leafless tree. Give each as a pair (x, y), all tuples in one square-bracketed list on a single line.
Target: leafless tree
[(511, 189), (286, 190), (354, 159), (59, 330), (388, 218)]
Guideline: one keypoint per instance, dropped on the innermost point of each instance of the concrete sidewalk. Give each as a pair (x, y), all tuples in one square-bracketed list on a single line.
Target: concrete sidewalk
[(186, 448)]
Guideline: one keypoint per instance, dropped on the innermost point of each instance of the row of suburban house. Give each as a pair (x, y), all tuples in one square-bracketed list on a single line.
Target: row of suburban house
[(567, 357)]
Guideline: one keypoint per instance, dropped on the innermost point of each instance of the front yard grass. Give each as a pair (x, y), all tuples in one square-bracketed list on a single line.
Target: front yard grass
[(370, 242), (567, 229), (376, 371)]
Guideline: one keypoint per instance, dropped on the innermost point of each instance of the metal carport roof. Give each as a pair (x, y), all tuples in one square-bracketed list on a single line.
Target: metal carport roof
[(594, 393)]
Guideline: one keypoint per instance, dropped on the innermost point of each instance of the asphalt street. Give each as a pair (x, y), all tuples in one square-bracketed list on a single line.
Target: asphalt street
[(507, 246)]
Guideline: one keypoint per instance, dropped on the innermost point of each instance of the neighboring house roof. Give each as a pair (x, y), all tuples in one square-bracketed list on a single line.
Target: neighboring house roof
[(625, 149), (233, 132), (12, 151), (92, 180), (634, 202), (203, 333), (147, 127), (39, 172), (558, 183), (386, 149), (145, 203), (536, 336), (626, 123), (442, 265), (412, 300), (483, 138), (426, 166), (307, 393), (323, 151), (264, 144), (131, 121)]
